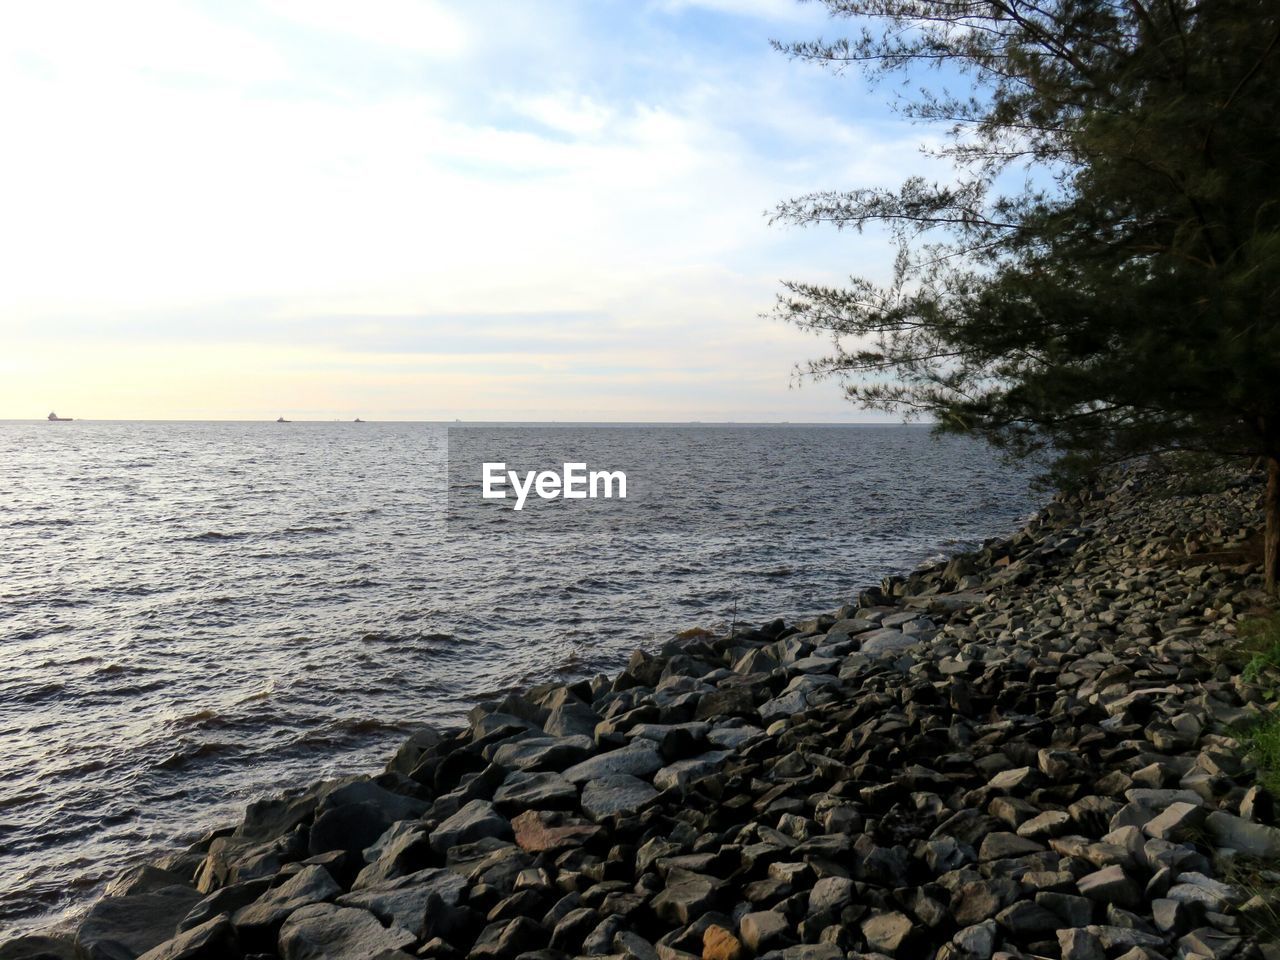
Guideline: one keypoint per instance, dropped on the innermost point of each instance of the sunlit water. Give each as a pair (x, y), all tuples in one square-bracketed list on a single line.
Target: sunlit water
[(196, 613)]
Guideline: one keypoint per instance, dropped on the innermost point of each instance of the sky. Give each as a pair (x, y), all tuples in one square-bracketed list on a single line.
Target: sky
[(422, 210)]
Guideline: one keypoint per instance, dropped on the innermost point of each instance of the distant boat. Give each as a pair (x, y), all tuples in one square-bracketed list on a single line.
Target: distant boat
[(283, 420), (357, 420), (54, 416)]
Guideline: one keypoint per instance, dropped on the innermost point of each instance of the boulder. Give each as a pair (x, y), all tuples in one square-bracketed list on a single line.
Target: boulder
[(323, 931), (127, 927)]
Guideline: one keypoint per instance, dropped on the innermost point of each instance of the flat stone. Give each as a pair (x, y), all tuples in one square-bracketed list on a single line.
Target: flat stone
[(720, 944), (1051, 823), (887, 932), (615, 794), (323, 931), (475, 821), (263, 917), (537, 831), (1176, 821), (1253, 839), (639, 758), (1004, 846), (1110, 885), (212, 940), (684, 772), (544, 753), (403, 901), (524, 791), (763, 929), (1078, 944), (886, 642), (686, 897), (134, 924)]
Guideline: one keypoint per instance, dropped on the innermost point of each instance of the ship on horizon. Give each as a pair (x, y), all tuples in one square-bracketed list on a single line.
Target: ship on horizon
[(54, 416)]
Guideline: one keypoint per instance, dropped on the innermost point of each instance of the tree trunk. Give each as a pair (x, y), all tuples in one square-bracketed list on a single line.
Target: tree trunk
[(1271, 539)]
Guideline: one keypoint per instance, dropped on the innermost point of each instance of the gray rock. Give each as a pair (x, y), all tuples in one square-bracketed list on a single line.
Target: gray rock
[(684, 772), (686, 897), (1177, 821), (615, 794), (403, 901), (259, 921), (544, 753), (763, 929), (888, 932), (1002, 846), (1253, 839), (129, 926), (475, 821), (525, 791), (830, 893), (1110, 885), (212, 940), (978, 940), (1077, 944), (323, 931), (640, 758), (887, 642)]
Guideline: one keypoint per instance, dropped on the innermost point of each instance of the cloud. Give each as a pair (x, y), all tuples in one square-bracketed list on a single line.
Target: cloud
[(781, 10), (421, 26), (587, 201)]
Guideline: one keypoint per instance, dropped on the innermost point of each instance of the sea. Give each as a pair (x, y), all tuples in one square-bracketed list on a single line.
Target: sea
[(195, 614)]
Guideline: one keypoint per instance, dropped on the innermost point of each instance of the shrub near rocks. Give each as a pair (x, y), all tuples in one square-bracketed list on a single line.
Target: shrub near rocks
[(1024, 752)]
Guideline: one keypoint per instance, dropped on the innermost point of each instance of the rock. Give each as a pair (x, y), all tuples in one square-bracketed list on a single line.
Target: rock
[(258, 923), (640, 758), (632, 946), (887, 642), (1177, 821), (763, 930), (506, 939), (720, 944), (615, 794), (1003, 846), (683, 772), (475, 821), (830, 893), (38, 947), (129, 926), (1077, 944), (1025, 919), (323, 931), (888, 932), (227, 900), (212, 940), (525, 791), (686, 897), (544, 753), (1110, 885), (537, 831), (1252, 839), (977, 941), (404, 901), (979, 900)]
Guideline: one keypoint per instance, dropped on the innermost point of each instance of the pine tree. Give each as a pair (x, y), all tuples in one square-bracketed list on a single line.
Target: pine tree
[(1101, 277)]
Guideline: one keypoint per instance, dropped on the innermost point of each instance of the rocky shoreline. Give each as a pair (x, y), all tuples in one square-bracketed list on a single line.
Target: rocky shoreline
[(1026, 751)]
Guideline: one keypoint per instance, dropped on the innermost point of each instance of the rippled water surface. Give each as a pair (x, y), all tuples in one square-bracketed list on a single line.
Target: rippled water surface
[(194, 613)]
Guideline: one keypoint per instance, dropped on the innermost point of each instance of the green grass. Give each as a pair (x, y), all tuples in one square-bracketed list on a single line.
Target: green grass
[(1257, 656), (1260, 641)]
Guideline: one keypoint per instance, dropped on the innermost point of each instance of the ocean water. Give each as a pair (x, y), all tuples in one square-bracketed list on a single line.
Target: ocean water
[(193, 614)]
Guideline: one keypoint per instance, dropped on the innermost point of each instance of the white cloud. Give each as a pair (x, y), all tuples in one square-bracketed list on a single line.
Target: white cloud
[(422, 26), (260, 198), (785, 10)]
